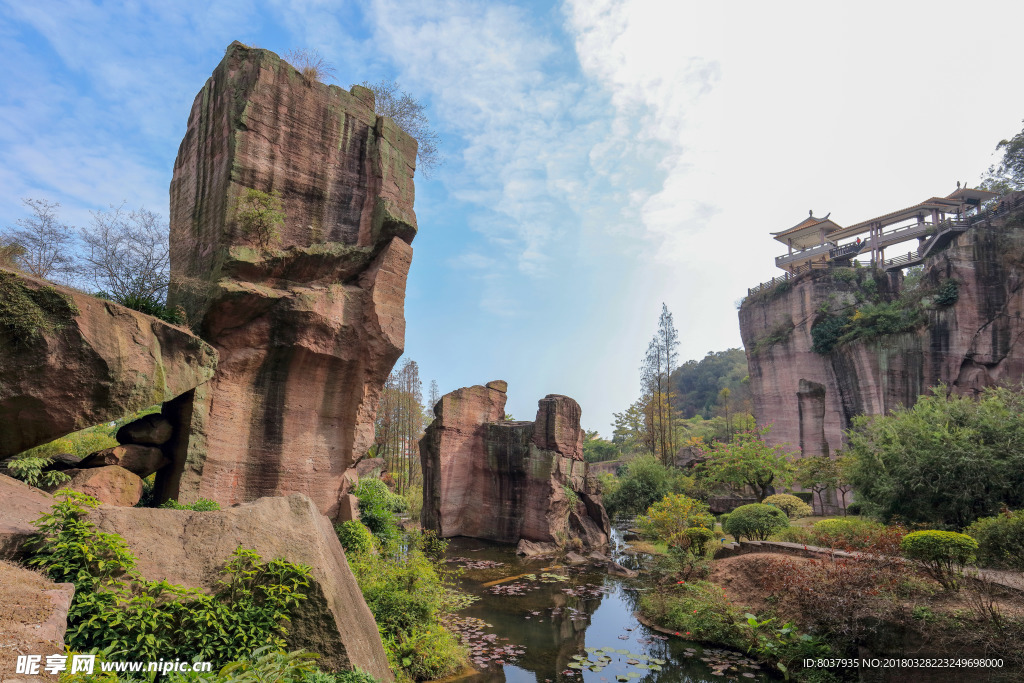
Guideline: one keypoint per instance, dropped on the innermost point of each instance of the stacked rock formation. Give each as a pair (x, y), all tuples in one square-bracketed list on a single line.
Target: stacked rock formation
[(810, 398), (507, 481), (308, 330), (72, 361)]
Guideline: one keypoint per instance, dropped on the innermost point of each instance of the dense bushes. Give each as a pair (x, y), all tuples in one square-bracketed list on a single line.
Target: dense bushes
[(643, 482), (756, 521), (1000, 540), (942, 553), (377, 506), (115, 607), (201, 505), (669, 519), (354, 537), (410, 590), (791, 505), (945, 462)]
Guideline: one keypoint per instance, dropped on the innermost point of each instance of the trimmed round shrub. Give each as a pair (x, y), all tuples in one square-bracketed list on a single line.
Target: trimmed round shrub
[(354, 537), (1000, 540), (755, 521), (942, 553), (721, 519), (791, 505)]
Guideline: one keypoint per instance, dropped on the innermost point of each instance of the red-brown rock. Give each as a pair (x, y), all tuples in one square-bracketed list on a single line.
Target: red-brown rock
[(557, 427), (149, 430), (140, 460), (485, 477), (112, 485), (810, 398), (190, 548), (309, 331), (94, 361), (21, 506)]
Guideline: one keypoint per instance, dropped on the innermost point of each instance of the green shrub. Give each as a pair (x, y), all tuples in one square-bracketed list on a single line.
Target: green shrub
[(721, 519), (845, 532), (410, 590), (201, 505), (668, 519), (826, 332), (791, 505), (643, 482), (115, 608), (354, 537), (29, 469), (1000, 540), (699, 538), (260, 216), (376, 509), (756, 521), (942, 553), (697, 610), (948, 294), (148, 304)]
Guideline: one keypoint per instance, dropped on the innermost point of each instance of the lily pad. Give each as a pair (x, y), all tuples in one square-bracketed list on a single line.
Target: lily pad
[(661, 661), (578, 657), (574, 665), (622, 679), (622, 652), (654, 667)]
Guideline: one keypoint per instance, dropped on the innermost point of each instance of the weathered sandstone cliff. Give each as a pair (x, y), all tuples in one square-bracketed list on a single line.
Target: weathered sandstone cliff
[(308, 331), (70, 361), (972, 342), (505, 481)]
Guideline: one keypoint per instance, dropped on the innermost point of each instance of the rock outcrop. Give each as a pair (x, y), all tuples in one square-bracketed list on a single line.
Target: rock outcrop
[(33, 618), (72, 361), (111, 485), (309, 330), (189, 548), (21, 506), (970, 338), (509, 481)]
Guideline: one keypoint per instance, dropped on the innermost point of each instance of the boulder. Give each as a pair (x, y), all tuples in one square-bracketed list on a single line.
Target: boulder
[(573, 558), (33, 616), (149, 430), (73, 361), (112, 485), (21, 506), (141, 460), (486, 477), (348, 508), (532, 549), (616, 569), (189, 548), (308, 329), (370, 467)]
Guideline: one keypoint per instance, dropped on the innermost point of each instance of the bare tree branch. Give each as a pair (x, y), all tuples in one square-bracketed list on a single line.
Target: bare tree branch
[(40, 245), (127, 255)]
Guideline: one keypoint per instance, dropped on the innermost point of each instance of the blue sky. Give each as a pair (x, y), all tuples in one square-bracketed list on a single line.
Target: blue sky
[(603, 156)]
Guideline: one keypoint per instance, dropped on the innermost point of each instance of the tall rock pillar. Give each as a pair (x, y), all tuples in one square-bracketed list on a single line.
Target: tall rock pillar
[(308, 330)]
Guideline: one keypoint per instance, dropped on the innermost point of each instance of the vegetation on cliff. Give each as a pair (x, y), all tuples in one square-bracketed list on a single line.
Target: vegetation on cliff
[(947, 461)]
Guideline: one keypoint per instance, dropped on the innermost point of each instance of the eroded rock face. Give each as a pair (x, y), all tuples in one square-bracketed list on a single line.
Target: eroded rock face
[(308, 331), (33, 615), (111, 485), (189, 548), (92, 361), (810, 399), (22, 505), (504, 481)]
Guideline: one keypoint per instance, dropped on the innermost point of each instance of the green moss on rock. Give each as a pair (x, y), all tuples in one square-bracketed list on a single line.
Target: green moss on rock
[(26, 314)]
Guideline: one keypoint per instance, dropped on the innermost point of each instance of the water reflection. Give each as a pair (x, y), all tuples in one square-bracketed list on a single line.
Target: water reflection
[(553, 621)]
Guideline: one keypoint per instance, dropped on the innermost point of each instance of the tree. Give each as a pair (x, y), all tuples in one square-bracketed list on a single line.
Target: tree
[(945, 462), (747, 461), (1008, 174), (668, 340), (41, 245), (630, 430), (127, 256), (819, 474), (596, 449), (409, 115), (399, 424), (644, 482), (260, 216)]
